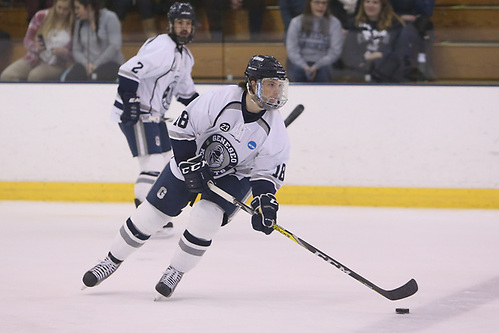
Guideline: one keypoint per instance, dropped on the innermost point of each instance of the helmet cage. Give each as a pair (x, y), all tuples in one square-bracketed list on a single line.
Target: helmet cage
[(268, 99), (267, 72)]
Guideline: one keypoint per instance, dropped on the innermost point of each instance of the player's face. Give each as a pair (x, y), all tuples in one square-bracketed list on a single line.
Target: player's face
[(182, 27), (62, 9), (271, 88), (372, 9)]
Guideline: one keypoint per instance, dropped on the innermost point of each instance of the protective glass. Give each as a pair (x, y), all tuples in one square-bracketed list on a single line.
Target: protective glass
[(272, 92)]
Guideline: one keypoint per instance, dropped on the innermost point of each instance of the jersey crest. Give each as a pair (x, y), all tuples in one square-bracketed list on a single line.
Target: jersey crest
[(219, 154)]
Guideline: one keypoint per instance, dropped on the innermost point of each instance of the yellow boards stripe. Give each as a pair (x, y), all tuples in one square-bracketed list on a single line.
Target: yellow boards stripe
[(287, 195)]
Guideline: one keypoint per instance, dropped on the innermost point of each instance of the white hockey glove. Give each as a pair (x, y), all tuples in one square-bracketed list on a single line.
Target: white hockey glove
[(267, 206)]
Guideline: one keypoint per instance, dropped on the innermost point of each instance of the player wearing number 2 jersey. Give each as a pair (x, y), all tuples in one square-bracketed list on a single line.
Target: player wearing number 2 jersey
[(148, 81), (234, 136)]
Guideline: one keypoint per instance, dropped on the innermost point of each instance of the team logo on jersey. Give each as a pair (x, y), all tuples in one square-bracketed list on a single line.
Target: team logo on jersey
[(252, 145), (219, 154), (161, 192), (224, 127), (157, 140)]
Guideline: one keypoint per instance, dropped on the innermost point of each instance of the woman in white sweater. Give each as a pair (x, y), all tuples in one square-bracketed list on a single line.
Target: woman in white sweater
[(47, 43)]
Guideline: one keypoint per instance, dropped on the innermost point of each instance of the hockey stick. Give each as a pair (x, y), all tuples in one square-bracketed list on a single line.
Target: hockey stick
[(297, 111), (408, 289), (294, 114)]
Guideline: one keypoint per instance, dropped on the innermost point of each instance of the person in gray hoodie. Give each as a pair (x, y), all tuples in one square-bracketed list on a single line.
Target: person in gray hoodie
[(96, 44), (313, 43)]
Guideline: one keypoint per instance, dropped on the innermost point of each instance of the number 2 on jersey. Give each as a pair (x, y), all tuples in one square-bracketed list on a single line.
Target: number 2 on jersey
[(136, 68)]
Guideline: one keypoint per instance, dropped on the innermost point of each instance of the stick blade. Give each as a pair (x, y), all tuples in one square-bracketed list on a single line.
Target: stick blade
[(408, 289)]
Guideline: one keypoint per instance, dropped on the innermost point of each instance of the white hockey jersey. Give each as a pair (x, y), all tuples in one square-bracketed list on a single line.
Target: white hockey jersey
[(162, 71), (259, 149)]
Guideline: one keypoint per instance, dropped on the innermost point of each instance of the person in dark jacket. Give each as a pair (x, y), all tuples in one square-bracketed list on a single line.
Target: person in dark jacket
[(375, 47), (419, 33)]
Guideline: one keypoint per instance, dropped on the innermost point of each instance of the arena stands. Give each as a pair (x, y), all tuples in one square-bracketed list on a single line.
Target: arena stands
[(465, 51)]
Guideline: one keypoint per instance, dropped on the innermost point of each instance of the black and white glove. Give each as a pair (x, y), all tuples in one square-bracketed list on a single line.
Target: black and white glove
[(131, 109), (196, 173), (266, 205)]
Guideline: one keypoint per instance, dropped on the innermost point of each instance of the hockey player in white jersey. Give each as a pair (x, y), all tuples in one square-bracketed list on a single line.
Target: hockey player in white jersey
[(148, 81), (232, 135)]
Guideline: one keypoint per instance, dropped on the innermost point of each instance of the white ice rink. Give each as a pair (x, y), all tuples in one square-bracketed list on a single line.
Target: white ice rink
[(249, 282)]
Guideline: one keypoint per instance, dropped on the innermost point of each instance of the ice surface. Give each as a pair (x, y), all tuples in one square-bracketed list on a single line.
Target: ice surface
[(249, 282)]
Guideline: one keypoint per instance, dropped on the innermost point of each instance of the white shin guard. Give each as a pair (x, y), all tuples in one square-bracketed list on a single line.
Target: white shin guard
[(205, 221)]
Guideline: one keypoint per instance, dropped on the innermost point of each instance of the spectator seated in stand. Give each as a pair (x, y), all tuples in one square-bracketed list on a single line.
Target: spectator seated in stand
[(375, 47), (96, 44), (292, 8), (48, 45), (419, 31), (313, 43)]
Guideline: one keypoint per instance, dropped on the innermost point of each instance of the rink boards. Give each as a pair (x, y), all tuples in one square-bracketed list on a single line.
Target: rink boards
[(360, 145)]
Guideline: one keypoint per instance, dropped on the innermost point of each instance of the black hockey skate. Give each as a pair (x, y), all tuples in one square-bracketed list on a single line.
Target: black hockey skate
[(168, 282), (101, 271)]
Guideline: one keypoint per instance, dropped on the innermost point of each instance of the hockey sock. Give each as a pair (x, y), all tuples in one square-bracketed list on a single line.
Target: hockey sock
[(205, 220), (189, 252), (137, 229), (127, 241)]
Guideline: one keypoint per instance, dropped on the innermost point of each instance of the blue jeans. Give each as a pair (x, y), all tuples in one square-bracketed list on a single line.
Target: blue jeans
[(297, 74)]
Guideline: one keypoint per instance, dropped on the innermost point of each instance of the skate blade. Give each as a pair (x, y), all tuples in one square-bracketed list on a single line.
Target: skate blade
[(83, 287)]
